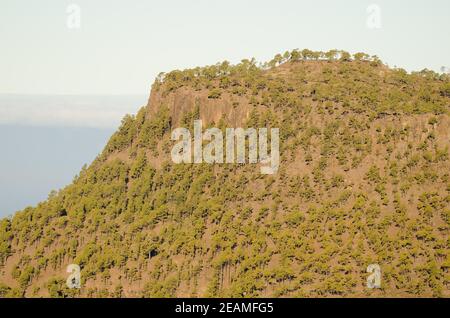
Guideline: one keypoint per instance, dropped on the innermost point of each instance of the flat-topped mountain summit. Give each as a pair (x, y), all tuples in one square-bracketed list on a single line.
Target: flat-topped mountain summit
[(364, 178)]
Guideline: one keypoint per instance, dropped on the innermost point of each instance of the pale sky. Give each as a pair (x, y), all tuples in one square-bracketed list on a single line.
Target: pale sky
[(122, 45)]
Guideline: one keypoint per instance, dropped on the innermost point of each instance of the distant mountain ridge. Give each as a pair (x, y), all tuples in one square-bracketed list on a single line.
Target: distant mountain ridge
[(94, 111)]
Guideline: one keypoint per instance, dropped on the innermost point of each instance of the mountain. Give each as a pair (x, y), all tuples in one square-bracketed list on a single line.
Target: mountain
[(364, 178)]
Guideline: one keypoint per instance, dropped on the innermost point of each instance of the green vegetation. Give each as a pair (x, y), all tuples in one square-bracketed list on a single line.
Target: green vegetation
[(364, 178)]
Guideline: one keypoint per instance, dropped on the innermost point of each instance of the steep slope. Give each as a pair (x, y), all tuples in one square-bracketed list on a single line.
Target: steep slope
[(364, 178)]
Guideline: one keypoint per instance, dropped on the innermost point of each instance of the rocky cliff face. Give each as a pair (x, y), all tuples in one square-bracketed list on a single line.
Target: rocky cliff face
[(211, 111), (364, 179)]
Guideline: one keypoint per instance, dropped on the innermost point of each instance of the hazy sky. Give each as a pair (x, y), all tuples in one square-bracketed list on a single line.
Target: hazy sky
[(36, 160), (122, 45), (93, 111), (46, 139)]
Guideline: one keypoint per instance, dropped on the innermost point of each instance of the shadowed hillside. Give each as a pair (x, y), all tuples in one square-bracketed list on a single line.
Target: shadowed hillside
[(364, 178)]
